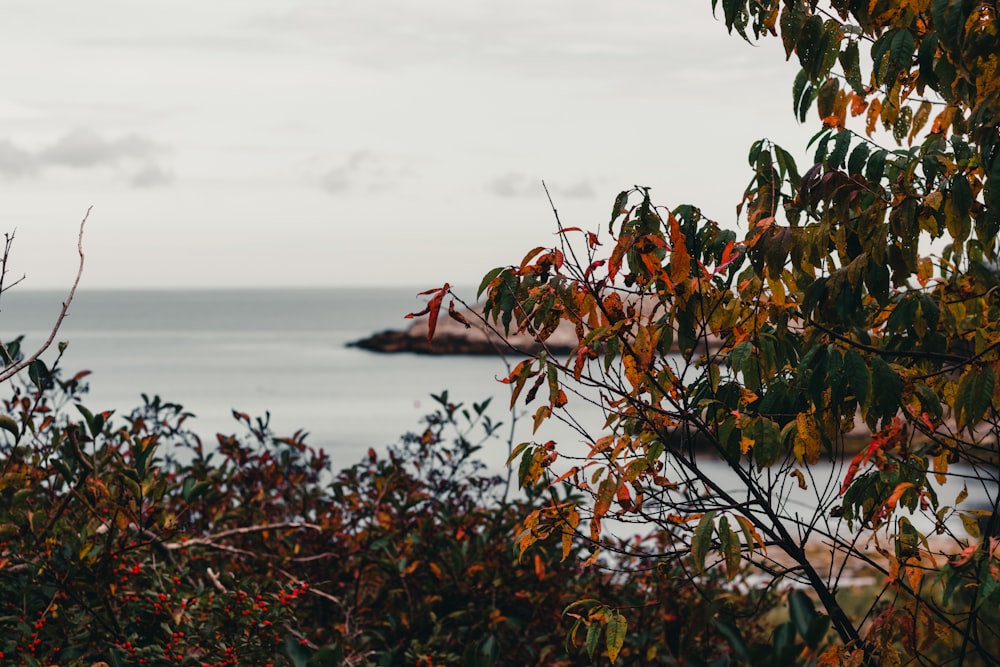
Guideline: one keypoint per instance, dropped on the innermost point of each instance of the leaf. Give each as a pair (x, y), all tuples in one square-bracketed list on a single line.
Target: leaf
[(39, 374), (841, 144), (858, 158), (621, 201), (807, 444), (971, 524), (593, 635), (432, 309), (617, 628), (858, 375), (9, 425), (801, 611), (730, 547), (732, 635), (487, 279), (701, 540), (793, 17), (680, 260), (457, 316)]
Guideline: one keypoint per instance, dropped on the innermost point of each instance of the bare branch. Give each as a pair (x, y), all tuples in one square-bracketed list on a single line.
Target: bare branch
[(21, 365)]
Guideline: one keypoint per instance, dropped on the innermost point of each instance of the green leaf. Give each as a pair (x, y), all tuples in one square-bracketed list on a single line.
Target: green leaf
[(732, 635), (730, 547), (850, 60), (857, 375), (9, 425), (593, 635), (839, 152), (793, 17), (39, 374), (517, 450), (858, 158), (487, 279), (982, 395), (817, 631), (296, 652), (767, 442), (798, 90), (801, 611), (787, 165), (327, 656), (621, 201), (876, 166), (901, 48), (616, 630), (701, 540)]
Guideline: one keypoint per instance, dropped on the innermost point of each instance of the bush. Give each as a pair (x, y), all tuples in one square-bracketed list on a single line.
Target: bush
[(130, 541)]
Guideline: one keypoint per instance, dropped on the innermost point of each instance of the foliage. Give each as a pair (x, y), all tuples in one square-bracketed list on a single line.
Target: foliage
[(862, 298), (129, 541)]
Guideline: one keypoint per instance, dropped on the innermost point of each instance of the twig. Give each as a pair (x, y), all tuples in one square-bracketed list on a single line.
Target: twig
[(211, 540), (21, 365)]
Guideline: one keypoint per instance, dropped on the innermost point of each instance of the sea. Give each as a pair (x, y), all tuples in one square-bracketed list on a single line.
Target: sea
[(285, 353), (282, 352)]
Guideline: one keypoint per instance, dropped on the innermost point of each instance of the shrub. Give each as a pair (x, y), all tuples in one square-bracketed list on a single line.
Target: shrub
[(130, 541)]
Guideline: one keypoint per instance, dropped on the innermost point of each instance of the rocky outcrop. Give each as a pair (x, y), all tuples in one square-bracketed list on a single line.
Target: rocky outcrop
[(452, 337)]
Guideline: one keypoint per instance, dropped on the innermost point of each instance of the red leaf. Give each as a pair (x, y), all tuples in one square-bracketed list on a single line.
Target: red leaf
[(457, 316), (594, 265), (433, 306)]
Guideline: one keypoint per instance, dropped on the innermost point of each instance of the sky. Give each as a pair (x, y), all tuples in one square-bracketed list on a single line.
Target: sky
[(322, 143)]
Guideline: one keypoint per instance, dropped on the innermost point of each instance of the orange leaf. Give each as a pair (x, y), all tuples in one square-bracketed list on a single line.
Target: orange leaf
[(457, 316), (896, 493), (433, 306), (680, 260)]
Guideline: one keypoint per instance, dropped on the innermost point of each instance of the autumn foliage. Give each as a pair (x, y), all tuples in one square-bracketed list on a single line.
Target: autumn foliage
[(851, 325), (127, 540)]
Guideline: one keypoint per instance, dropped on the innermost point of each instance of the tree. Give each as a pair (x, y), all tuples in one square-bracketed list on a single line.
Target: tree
[(863, 297)]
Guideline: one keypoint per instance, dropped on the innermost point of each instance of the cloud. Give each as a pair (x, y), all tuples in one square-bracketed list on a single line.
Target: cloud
[(135, 156), (515, 184), (84, 147), (15, 161), (580, 38), (150, 176), (363, 170)]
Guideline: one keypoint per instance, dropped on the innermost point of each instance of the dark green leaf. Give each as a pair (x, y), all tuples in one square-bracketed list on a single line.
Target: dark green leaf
[(701, 540), (801, 611)]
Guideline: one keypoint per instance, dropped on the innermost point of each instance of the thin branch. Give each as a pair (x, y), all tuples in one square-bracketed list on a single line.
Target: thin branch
[(212, 540), (21, 365)]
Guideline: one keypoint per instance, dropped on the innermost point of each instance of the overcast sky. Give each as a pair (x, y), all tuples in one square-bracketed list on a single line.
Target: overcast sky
[(380, 142)]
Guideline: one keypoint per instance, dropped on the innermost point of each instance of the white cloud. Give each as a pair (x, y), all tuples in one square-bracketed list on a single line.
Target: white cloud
[(15, 161), (151, 175), (515, 184), (83, 148), (364, 171)]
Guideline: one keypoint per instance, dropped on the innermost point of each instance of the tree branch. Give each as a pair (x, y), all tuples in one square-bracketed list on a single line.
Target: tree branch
[(21, 365)]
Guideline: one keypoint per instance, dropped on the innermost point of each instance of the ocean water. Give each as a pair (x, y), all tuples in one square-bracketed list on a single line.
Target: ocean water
[(256, 351), (285, 352)]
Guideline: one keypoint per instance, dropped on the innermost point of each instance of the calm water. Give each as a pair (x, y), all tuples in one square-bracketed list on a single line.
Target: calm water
[(282, 351)]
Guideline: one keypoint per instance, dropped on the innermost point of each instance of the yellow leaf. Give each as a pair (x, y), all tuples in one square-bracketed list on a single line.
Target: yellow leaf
[(962, 495), (680, 260), (807, 443), (971, 524)]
